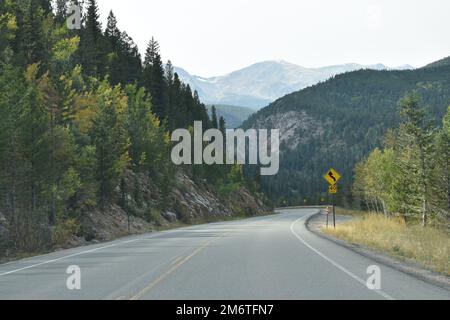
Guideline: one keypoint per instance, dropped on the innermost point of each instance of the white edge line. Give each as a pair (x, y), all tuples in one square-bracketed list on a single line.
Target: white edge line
[(67, 257), (101, 248), (337, 265)]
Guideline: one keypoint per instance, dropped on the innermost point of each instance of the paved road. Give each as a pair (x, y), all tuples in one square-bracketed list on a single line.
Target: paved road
[(272, 257)]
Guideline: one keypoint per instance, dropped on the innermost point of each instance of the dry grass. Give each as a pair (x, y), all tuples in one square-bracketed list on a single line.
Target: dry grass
[(428, 247), (349, 212)]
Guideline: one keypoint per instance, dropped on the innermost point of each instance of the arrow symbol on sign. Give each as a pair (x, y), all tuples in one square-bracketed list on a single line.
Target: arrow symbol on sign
[(332, 176)]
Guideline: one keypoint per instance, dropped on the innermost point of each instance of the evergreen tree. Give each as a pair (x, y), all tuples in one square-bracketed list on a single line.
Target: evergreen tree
[(112, 32), (110, 139), (222, 125), (152, 53), (34, 124), (169, 73), (215, 122), (142, 127), (92, 44), (123, 59), (442, 169), (11, 159), (8, 29), (154, 80), (92, 24), (30, 44), (418, 134)]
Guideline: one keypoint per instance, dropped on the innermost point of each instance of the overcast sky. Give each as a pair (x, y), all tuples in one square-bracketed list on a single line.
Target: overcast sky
[(214, 37)]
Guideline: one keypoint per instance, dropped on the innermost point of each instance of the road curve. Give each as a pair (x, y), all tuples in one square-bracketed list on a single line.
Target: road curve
[(263, 258)]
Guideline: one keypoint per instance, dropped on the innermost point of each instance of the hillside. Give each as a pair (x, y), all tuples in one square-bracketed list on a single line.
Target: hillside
[(189, 202), (262, 83), (85, 125), (234, 116), (336, 124), (440, 63)]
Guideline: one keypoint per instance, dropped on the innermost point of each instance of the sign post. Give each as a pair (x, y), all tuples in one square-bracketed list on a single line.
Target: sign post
[(332, 177), (334, 211)]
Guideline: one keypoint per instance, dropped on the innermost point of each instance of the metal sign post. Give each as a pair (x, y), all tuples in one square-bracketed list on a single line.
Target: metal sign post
[(332, 177), (334, 211)]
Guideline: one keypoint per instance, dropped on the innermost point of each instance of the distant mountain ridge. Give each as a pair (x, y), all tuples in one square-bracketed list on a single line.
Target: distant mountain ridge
[(260, 84), (440, 63)]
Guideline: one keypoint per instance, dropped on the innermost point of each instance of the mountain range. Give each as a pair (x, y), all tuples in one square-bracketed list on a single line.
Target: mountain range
[(336, 123), (260, 84)]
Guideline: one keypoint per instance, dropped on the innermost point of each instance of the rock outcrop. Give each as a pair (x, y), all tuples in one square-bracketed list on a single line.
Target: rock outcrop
[(187, 202)]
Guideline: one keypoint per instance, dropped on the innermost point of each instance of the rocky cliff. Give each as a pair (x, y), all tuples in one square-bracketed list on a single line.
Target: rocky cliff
[(140, 211), (186, 203)]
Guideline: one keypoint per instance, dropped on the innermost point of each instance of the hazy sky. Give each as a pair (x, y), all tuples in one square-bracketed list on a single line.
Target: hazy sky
[(213, 37)]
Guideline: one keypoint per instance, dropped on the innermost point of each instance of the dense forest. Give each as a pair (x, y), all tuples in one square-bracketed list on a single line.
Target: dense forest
[(78, 109), (350, 115)]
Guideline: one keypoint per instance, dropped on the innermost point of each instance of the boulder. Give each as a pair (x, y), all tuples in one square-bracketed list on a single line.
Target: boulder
[(170, 216)]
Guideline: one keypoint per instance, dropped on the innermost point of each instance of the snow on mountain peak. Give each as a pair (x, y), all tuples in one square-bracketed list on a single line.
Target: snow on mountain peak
[(261, 83)]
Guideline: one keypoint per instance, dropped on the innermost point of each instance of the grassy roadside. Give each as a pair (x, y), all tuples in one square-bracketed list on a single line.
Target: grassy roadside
[(428, 247)]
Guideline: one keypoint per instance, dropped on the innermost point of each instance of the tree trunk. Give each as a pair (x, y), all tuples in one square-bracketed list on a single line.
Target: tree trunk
[(33, 198), (376, 206), (368, 205), (13, 181), (423, 176), (53, 209), (13, 203), (384, 208), (424, 212), (448, 193)]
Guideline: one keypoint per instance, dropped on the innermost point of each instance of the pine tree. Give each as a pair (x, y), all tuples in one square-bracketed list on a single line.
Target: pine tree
[(418, 133), (443, 165), (93, 25), (151, 53), (111, 140), (11, 159), (8, 29), (176, 118), (169, 73), (154, 80), (30, 44), (112, 32), (124, 64), (222, 125), (215, 122), (141, 124), (34, 124), (92, 43)]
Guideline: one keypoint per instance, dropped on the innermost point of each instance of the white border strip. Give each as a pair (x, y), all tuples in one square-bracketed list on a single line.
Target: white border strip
[(337, 265)]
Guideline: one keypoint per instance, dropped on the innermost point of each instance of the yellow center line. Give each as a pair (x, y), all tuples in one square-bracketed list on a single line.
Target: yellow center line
[(172, 269)]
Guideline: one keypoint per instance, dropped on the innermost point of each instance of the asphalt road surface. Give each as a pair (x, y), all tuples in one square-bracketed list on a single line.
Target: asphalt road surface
[(273, 257)]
